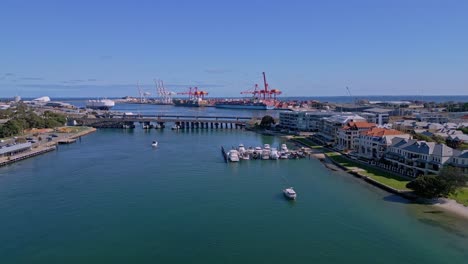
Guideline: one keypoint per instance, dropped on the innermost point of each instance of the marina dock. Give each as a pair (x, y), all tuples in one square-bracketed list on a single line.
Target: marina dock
[(265, 153)]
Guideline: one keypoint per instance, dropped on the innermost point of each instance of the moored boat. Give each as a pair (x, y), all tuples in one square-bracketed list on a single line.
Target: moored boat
[(233, 155), (284, 148), (257, 153), (274, 154), (102, 104), (154, 144)]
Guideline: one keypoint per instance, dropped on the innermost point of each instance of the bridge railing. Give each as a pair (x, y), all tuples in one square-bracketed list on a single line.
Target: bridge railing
[(182, 117)]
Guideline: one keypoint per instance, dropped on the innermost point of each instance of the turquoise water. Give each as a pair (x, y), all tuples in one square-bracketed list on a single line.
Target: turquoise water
[(112, 198)]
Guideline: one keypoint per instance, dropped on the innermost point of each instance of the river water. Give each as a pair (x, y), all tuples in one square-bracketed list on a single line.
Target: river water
[(112, 198)]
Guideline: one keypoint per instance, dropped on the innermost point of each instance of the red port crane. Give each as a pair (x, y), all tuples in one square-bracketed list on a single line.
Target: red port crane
[(254, 91), (265, 93), (199, 94), (194, 93), (189, 93)]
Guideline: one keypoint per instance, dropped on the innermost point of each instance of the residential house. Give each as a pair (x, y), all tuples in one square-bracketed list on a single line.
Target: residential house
[(373, 143), (461, 161), (413, 157)]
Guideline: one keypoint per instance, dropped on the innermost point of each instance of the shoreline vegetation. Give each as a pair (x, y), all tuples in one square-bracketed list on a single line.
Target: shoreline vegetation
[(456, 203)]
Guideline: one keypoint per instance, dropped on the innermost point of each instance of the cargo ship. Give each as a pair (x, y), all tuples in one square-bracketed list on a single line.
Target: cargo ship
[(103, 104), (264, 99), (196, 98), (189, 102), (246, 104)]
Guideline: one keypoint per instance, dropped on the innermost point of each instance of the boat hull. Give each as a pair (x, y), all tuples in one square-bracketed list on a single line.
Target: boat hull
[(99, 107), (289, 197), (104, 104), (189, 103), (245, 106)]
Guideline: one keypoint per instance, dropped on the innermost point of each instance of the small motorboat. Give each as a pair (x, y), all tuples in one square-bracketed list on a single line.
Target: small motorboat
[(290, 193), (245, 156), (256, 154), (284, 148), (154, 144), (274, 154), (265, 154), (175, 127), (233, 155)]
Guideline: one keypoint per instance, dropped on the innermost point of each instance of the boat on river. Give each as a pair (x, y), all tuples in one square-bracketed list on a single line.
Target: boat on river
[(290, 193), (154, 144)]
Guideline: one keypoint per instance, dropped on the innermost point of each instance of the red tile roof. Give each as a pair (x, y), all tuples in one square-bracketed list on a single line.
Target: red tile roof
[(359, 125), (380, 132)]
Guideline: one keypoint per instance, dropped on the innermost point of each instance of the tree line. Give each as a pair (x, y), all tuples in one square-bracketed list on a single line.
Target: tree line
[(23, 118)]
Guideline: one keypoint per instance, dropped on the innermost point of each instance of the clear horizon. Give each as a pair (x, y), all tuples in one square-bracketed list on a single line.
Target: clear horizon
[(87, 49)]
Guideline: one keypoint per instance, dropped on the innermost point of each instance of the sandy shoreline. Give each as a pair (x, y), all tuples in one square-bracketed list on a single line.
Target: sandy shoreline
[(452, 206)]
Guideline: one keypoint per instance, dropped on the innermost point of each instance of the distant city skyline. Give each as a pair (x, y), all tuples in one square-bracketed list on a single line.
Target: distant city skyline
[(306, 48)]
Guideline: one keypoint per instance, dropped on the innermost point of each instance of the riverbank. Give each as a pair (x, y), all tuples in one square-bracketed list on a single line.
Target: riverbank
[(382, 179), (62, 134)]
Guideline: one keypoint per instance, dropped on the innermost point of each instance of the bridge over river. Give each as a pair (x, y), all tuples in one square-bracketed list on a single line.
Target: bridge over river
[(148, 121)]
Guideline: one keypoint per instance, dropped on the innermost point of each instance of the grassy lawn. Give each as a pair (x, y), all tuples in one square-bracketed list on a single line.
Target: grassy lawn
[(374, 173), (461, 196)]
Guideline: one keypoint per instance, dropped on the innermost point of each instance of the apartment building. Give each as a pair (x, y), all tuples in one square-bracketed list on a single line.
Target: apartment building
[(329, 126), (302, 120), (347, 135)]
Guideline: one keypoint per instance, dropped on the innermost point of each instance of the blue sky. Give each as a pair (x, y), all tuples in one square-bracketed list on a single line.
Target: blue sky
[(310, 48)]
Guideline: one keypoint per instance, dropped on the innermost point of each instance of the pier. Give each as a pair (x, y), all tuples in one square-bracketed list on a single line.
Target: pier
[(26, 155), (180, 121)]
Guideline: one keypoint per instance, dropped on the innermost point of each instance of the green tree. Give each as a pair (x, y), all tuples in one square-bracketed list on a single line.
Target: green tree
[(267, 121), (10, 128), (438, 139), (429, 186), (419, 136), (454, 177), (449, 180)]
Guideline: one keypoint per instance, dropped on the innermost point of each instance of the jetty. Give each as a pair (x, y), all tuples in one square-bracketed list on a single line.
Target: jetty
[(66, 141), (224, 153), (26, 155)]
